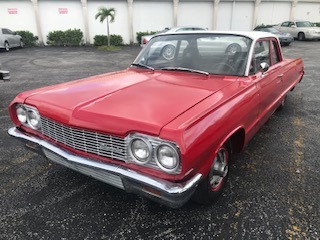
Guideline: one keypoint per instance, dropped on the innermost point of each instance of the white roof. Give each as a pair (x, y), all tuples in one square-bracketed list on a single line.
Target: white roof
[(254, 35)]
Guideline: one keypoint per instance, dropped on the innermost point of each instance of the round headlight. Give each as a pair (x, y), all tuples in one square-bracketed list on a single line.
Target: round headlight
[(21, 114), (33, 118), (141, 150), (167, 158)]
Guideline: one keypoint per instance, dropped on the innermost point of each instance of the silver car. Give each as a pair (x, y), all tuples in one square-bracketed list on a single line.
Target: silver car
[(300, 29), (146, 39), (9, 39)]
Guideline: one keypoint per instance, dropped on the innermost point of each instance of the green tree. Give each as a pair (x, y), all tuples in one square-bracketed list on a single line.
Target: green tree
[(106, 13)]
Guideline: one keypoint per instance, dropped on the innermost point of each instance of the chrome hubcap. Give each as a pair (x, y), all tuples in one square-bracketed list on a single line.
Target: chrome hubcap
[(219, 169), (168, 53)]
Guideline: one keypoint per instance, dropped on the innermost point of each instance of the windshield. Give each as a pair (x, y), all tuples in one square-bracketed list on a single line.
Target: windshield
[(211, 53), (304, 24)]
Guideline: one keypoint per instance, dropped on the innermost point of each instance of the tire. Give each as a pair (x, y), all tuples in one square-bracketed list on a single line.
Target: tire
[(6, 47), (168, 52), (212, 186), (233, 48), (301, 36)]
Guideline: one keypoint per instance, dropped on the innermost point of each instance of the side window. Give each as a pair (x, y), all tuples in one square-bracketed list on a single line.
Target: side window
[(7, 31), (291, 24), (285, 24), (274, 53), (261, 54)]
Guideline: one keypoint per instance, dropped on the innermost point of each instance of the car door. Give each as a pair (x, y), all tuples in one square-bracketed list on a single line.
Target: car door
[(268, 83), (11, 38), (292, 29)]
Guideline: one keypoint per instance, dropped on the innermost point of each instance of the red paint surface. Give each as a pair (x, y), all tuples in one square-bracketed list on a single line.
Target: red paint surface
[(197, 112)]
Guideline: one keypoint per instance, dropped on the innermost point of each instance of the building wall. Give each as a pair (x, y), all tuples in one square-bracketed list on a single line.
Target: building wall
[(273, 12), (17, 15), (242, 15), (195, 14), (152, 15), (309, 11), (224, 18), (60, 15)]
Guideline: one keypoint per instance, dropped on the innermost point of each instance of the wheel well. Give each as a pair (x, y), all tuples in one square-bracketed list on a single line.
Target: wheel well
[(237, 140)]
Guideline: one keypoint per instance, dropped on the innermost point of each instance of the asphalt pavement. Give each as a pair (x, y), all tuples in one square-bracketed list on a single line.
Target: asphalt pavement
[(273, 190)]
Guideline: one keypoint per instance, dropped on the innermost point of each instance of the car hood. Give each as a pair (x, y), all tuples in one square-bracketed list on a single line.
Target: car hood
[(130, 100)]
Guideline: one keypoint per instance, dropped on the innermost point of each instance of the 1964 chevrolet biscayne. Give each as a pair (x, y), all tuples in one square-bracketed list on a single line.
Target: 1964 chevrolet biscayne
[(164, 128)]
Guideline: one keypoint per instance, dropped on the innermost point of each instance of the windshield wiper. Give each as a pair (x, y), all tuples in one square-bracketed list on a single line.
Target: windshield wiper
[(185, 69), (142, 65)]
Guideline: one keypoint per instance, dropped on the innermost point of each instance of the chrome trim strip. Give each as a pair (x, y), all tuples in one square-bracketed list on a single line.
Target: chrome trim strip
[(164, 186)]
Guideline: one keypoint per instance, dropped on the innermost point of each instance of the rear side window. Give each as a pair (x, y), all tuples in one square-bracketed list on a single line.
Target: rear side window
[(274, 53)]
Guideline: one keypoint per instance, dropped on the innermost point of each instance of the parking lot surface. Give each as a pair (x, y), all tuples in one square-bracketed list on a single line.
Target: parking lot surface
[(273, 191)]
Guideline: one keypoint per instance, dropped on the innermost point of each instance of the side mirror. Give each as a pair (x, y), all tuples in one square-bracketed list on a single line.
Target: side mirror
[(263, 67)]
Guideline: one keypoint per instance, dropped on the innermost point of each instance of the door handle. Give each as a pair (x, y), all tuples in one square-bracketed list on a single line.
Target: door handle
[(280, 76)]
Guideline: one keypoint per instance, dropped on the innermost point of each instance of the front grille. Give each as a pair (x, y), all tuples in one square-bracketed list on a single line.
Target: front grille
[(83, 140)]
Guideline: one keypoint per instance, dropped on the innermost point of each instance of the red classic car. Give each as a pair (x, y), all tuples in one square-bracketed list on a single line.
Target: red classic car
[(164, 128)]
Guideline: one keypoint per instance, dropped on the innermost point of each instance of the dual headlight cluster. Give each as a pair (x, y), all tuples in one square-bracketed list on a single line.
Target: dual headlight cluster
[(143, 149), (28, 116), (153, 152)]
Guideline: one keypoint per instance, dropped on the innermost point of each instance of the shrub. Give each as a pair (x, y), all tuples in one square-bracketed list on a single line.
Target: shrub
[(65, 38), (140, 34), (55, 38), (28, 38), (101, 40), (116, 40), (73, 37)]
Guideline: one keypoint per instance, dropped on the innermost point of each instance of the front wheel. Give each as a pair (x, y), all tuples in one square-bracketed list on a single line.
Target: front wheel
[(233, 48), (168, 52), (211, 187), (301, 36), (6, 47)]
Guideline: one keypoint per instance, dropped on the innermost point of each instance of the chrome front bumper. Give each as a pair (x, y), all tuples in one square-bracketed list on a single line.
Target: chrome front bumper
[(4, 75), (168, 193)]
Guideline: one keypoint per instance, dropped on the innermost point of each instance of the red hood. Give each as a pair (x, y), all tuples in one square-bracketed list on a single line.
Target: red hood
[(129, 100)]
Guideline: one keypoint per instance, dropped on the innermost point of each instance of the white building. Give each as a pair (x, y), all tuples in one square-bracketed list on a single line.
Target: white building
[(42, 16)]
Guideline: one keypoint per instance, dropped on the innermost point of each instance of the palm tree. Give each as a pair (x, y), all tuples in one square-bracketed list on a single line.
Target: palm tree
[(106, 13)]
